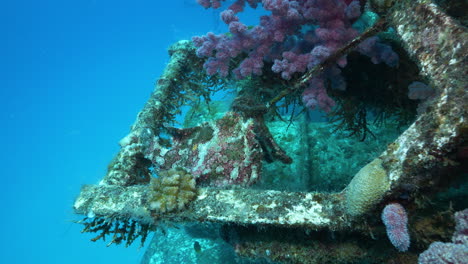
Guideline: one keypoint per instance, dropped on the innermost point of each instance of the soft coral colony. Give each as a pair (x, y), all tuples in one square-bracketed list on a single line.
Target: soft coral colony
[(294, 38)]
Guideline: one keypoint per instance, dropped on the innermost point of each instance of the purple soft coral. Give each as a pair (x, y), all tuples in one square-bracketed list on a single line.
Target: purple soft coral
[(296, 36), (396, 221), (450, 253)]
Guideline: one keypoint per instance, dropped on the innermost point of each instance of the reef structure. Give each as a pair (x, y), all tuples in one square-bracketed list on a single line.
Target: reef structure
[(417, 157)]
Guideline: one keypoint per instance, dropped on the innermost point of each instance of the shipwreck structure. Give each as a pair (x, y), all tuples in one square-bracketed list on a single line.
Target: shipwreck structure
[(205, 170)]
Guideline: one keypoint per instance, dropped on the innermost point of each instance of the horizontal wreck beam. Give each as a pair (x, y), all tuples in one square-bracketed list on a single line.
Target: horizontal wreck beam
[(241, 206)]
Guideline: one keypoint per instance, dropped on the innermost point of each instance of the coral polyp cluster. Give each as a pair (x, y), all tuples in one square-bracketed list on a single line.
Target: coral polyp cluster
[(172, 191)]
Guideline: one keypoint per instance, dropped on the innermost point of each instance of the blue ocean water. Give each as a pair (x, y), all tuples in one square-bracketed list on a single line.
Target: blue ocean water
[(74, 75)]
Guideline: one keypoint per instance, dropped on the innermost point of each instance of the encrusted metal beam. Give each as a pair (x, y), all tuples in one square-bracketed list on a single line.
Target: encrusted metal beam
[(439, 44), (241, 206), (127, 168)]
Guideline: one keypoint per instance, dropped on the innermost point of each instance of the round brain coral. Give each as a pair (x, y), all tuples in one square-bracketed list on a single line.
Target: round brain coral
[(366, 188)]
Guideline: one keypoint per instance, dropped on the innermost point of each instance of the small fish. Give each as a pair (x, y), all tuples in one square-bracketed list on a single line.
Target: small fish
[(197, 247)]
